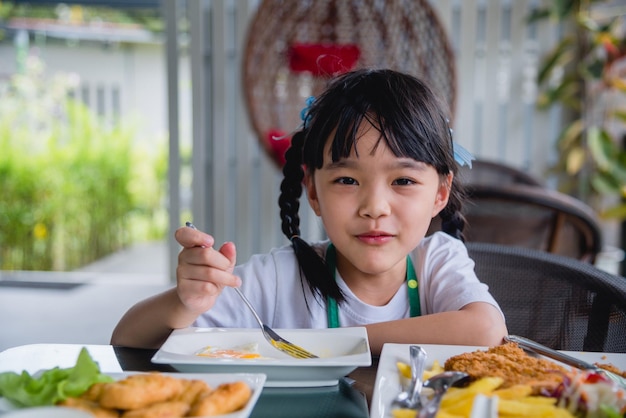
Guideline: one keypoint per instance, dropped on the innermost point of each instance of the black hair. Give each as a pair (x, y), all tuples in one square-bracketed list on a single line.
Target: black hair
[(413, 123)]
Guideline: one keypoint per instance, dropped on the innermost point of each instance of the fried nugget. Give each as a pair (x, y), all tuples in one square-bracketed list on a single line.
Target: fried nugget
[(611, 368), (174, 409), (94, 392), (512, 364), (226, 398), (140, 390), (89, 406), (192, 390)]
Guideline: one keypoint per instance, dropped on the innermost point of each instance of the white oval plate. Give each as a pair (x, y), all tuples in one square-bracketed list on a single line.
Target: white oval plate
[(340, 351), (255, 381)]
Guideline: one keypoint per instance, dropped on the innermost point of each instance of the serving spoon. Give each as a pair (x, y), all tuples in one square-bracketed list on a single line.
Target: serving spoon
[(440, 384), (410, 398)]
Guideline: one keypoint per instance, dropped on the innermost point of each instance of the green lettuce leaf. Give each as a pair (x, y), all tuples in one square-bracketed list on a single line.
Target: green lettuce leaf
[(610, 411), (52, 386)]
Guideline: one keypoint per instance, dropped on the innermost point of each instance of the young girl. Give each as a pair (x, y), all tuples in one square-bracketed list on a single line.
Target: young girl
[(375, 154)]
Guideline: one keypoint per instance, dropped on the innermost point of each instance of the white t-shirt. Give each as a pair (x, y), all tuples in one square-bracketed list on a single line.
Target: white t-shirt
[(272, 283)]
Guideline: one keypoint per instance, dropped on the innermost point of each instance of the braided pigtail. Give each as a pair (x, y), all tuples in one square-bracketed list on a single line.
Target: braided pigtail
[(291, 188), (312, 265)]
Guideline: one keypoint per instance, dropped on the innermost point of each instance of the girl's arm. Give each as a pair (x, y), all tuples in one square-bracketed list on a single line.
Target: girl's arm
[(478, 324), (201, 274)]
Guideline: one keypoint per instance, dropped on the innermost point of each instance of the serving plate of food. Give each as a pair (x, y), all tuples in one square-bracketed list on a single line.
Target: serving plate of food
[(83, 390), (179, 394), (494, 371), (221, 350)]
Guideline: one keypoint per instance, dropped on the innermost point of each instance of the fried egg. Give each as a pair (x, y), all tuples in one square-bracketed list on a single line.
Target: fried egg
[(248, 351)]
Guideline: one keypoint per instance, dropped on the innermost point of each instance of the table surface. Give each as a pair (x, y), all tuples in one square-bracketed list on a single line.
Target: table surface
[(350, 398)]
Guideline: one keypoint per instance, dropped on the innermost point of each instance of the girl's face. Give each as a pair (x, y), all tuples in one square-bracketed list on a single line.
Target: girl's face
[(376, 207)]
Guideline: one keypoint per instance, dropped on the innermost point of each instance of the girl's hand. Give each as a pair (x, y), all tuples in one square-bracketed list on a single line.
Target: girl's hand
[(202, 271)]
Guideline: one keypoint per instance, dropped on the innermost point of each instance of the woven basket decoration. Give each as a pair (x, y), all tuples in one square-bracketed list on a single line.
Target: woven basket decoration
[(294, 46)]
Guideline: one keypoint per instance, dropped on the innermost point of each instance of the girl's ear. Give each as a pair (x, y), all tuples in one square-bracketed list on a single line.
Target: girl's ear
[(311, 192), (443, 194)]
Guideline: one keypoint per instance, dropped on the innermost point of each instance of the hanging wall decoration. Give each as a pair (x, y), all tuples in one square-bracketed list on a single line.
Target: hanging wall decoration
[(294, 47)]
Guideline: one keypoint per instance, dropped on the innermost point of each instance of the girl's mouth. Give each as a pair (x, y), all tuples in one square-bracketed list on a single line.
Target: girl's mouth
[(375, 238)]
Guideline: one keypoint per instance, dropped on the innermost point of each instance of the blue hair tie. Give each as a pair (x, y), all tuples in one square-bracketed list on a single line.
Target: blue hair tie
[(304, 113), (461, 155)]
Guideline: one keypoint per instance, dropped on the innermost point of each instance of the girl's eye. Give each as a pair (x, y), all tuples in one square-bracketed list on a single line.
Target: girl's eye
[(346, 180), (403, 182)]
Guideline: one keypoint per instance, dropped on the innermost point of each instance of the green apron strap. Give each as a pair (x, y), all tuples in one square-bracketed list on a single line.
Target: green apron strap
[(331, 303), (333, 312), (412, 284), (411, 281)]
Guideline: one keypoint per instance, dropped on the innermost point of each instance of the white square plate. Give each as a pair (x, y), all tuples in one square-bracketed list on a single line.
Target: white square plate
[(340, 351), (387, 384), (255, 381)]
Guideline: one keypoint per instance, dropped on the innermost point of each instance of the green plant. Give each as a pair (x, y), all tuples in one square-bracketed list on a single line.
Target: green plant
[(584, 73), (73, 189), (146, 17)]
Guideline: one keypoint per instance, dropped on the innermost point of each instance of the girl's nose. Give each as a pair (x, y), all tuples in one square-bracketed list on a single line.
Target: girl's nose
[(374, 204)]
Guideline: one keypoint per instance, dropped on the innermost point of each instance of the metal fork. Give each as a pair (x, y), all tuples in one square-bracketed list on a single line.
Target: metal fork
[(276, 340), (270, 335), (535, 347)]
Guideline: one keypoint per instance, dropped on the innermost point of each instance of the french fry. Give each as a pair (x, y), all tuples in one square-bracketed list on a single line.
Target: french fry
[(405, 370), (483, 386), (444, 414), (514, 392), (403, 413), (531, 407), (513, 402), (436, 369), (459, 401), (463, 408)]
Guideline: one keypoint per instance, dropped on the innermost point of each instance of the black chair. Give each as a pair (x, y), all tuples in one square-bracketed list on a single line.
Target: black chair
[(555, 300), (532, 217)]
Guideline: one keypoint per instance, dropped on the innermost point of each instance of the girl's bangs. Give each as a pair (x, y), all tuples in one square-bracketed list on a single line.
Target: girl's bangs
[(401, 136)]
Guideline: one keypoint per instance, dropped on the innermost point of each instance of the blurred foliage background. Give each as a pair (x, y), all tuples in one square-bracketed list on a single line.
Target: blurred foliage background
[(585, 73), (73, 188), (146, 18)]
